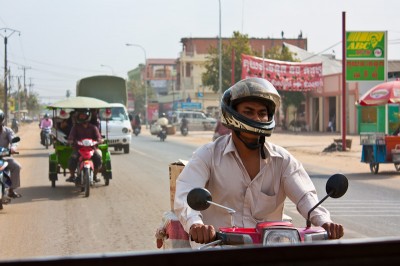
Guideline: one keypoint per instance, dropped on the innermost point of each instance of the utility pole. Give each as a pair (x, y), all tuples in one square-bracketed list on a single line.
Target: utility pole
[(19, 100), (7, 34), (24, 68), (25, 98)]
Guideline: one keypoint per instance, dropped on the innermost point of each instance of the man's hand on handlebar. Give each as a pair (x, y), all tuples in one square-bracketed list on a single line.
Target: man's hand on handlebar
[(202, 234), (13, 150), (335, 231)]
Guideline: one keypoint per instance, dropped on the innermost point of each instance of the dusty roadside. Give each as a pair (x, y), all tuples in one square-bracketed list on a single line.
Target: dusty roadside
[(306, 147)]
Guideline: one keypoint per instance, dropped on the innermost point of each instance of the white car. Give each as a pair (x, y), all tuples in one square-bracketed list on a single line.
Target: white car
[(197, 120), (119, 128)]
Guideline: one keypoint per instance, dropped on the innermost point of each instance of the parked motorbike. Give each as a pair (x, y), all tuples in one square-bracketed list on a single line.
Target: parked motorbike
[(267, 233), (47, 138), (163, 133), (5, 181), (85, 165)]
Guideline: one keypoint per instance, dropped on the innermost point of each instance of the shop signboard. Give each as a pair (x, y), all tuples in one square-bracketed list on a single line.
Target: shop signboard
[(366, 55)]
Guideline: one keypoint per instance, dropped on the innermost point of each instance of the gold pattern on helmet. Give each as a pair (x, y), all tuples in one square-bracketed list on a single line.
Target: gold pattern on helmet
[(251, 89), (2, 116)]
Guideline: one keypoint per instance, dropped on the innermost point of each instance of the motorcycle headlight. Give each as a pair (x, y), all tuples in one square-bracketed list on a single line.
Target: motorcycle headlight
[(87, 142), (285, 236)]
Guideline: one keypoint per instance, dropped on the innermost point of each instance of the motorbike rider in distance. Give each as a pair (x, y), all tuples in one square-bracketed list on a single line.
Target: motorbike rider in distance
[(163, 122), (81, 130), (135, 122), (184, 124), (14, 125), (245, 172), (46, 122)]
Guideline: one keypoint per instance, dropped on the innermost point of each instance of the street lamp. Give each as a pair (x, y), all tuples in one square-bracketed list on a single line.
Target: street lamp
[(112, 70), (145, 79)]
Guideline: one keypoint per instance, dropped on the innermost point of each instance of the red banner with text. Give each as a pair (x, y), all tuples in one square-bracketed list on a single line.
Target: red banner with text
[(288, 76)]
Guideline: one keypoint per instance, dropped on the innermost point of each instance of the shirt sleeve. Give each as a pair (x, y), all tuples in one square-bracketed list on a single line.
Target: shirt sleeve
[(97, 133), (10, 136), (195, 174), (301, 191)]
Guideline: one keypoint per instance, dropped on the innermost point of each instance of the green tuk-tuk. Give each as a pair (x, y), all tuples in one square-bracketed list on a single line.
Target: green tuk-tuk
[(62, 111)]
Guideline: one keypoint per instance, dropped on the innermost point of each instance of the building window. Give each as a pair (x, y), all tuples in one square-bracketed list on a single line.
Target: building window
[(188, 70)]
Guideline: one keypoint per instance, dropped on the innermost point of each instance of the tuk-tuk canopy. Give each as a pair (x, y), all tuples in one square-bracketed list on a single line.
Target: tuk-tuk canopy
[(80, 102)]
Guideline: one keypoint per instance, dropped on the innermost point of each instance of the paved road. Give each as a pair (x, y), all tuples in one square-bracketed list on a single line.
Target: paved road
[(123, 216)]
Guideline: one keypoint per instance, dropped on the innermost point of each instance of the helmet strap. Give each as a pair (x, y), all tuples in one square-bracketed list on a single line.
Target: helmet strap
[(253, 146), (261, 140)]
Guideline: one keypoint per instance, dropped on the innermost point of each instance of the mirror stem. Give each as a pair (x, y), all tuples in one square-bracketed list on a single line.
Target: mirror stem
[(230, 211), (319, 203)]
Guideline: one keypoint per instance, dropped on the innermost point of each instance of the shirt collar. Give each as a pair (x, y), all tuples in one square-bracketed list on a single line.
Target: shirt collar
[(230, 146), (269, 147)]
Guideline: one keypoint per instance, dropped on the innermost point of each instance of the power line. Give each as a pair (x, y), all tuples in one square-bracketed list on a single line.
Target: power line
[(330, 47)]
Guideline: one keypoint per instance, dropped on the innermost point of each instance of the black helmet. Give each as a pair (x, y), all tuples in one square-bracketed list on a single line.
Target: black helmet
[(46, 115), (251, 89), (82, 115), (1, 116)]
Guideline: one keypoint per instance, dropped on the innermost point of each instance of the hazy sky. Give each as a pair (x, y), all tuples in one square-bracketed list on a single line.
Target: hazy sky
[(63, 41)]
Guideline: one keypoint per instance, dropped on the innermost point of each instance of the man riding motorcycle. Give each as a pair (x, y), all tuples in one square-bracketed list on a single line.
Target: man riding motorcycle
[(184, 125), (243, 170), (6, 135), (81, 130), (163, 122), (14, 125), (46, 122)]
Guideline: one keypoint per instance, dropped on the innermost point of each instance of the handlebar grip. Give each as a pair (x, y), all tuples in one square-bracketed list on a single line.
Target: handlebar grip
[(234, 238)]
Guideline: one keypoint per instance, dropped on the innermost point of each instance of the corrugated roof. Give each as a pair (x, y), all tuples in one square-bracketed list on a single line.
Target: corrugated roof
[(329, 66), (394, 65)]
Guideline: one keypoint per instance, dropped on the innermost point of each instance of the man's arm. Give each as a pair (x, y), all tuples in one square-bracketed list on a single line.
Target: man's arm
[(98, 135), (195, 174)]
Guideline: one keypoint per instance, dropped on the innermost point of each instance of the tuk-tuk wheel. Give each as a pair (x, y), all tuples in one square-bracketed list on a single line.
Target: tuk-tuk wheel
[(53, 178)]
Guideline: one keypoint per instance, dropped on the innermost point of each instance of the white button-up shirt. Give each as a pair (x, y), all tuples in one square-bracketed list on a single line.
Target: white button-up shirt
[(218, 167)]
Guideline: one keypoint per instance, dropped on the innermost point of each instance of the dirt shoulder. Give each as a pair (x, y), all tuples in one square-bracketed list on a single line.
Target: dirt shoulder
[(306, 147)]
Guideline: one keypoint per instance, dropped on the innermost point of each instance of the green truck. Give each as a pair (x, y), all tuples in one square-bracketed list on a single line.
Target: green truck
[(111, 89)]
